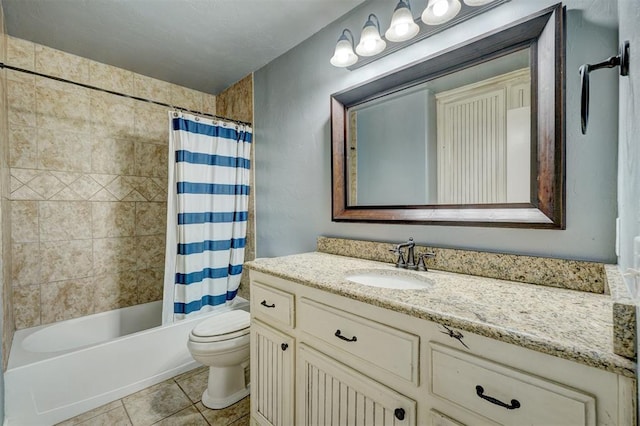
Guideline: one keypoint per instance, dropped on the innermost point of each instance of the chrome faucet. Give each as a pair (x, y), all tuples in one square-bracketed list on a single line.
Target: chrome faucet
[(410, 263)]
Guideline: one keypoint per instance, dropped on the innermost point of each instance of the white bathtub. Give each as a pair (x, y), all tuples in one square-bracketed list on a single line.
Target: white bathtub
[(60, 370)]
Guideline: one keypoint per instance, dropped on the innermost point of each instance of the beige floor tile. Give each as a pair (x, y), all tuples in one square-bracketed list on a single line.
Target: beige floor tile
[(155, 403), (108, 414), (190, 416), (227, 415), (194, 383), (242, 421)]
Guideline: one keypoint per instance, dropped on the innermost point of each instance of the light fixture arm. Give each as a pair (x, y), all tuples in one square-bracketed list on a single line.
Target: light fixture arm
[(343, 36), (370, 22)]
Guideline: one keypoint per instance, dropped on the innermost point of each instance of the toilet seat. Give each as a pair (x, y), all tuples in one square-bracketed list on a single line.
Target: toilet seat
[(227, 326)]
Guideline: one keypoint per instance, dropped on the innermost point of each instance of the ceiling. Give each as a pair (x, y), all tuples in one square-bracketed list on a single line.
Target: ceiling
[(205, 45)]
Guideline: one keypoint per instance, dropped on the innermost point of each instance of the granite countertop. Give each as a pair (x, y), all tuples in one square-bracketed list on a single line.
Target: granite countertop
[(569, 324)]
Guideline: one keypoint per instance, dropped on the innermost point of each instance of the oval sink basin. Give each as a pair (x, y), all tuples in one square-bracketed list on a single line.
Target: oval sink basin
[(385, 278)]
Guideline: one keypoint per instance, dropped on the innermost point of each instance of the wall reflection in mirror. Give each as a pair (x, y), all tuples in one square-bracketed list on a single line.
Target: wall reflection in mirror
[(463, 138)]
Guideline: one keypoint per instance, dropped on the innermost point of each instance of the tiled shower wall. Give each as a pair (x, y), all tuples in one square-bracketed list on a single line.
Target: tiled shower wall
[(88, 184), (5, 210), (237, 103)]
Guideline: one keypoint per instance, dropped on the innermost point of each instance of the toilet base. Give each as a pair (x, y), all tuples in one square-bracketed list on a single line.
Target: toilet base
[(218, 403), (226, 386)]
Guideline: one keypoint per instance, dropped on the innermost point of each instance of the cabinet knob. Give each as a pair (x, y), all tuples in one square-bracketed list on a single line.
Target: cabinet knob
[(284, 346), (399, 413)]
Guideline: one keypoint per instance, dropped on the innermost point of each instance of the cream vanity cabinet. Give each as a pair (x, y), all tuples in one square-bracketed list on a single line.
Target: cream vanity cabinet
[(318, 358)]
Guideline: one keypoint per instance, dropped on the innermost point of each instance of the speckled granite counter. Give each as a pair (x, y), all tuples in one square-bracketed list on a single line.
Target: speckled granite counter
[(565, 323)]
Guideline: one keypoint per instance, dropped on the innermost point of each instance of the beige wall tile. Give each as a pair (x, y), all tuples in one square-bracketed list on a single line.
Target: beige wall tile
[(113, 219), (184, 97), (112, 255), (150, 285), (21, 53), (85, 186), (65, 260), (151, 218), (62, 111), (209, 104), (150, 251), (26, 306), (110, 78), (115, 290), (25, 264), (151, 123), (23, 147), (152, 89), (111, 115), (64, 300), (151, 159), (64, 151), (24, 222), (64, 220), (45, 184), (236, 102), (113, 156), (21, 99), (61, 64)]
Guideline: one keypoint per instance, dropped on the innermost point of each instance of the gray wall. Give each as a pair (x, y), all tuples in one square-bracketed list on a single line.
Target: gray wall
[(292, 133)]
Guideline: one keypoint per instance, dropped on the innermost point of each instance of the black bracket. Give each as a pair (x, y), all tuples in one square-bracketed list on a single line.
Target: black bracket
[(622, 60)]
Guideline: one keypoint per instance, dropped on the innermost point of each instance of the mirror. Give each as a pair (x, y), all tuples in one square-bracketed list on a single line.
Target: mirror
[(471, 136)]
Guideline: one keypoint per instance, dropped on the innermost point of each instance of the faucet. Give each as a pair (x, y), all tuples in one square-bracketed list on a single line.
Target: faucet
[(411, 259), (410, 263)]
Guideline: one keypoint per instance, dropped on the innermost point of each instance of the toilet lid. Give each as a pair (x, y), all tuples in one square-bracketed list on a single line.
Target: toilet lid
[(223, 324)]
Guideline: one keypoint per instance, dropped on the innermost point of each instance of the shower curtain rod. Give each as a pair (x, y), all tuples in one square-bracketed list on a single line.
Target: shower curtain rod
[(124, 95)]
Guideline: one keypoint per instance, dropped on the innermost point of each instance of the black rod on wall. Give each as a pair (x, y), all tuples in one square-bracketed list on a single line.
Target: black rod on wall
[(124, 95)]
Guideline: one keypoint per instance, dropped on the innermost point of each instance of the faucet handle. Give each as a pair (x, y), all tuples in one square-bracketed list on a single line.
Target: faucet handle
[(422, 265), (400, 263)]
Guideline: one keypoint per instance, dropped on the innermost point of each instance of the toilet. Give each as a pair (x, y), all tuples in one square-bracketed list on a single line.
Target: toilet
[(222, 343)]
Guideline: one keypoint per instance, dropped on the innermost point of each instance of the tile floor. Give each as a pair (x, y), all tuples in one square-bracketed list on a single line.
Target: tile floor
[(174, 402)]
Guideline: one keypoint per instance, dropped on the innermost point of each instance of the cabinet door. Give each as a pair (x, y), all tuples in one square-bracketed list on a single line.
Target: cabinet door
[(330, 393), (272, 363)]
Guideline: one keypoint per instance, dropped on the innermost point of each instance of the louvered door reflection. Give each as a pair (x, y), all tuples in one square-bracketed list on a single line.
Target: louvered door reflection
[(272, 364), (332, 394)]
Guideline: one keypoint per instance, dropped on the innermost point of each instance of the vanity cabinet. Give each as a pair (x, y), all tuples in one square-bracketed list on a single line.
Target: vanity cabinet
[(347, 362)]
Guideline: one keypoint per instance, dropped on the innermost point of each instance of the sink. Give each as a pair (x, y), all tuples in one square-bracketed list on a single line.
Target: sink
[(389, 278)]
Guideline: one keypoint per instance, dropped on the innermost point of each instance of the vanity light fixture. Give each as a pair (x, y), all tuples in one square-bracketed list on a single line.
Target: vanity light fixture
[(404, 30), (476, 2), (440, 11), (344, 55), (402, 25), (370, 41)]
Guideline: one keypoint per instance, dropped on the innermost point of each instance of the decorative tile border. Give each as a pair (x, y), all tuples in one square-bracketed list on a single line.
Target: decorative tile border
[(561, 273)]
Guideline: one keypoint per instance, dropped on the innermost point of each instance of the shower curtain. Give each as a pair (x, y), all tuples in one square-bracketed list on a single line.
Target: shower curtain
[(207, 205)]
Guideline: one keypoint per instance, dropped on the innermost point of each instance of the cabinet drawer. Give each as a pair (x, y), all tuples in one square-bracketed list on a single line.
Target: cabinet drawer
[(505, 395), (393, 350), (272, 305)]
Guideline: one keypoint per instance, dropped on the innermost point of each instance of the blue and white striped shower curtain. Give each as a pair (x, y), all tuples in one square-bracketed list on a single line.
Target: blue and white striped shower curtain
[(207, 207)]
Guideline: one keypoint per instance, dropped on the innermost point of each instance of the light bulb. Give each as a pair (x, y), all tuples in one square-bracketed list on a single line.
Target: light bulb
[(402, 29), (440, 8)]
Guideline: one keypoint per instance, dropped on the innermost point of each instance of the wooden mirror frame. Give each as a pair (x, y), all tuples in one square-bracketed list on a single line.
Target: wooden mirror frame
[(544, 34)]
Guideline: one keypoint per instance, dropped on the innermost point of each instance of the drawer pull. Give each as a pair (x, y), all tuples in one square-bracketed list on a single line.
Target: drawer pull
[(264, 303), (514, 402), (399, 413), (340, 336), (284, 346)]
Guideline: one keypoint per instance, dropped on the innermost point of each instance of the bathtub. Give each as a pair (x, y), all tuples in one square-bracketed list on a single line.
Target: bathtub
[(60, 370)]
